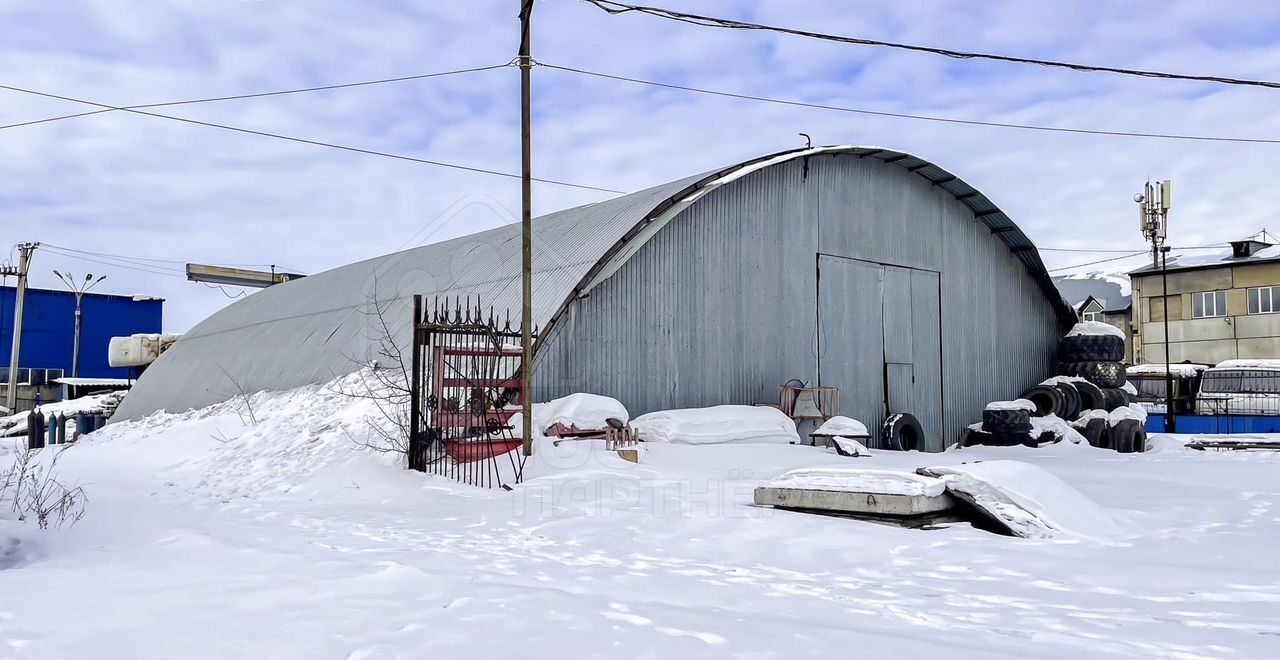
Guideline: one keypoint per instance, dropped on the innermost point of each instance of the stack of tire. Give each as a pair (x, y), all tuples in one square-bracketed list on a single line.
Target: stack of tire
[(1004, 426), (1088, 388)]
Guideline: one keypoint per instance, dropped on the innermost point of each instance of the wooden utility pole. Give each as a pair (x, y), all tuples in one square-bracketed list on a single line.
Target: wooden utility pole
[(526, 226), (24, 264)]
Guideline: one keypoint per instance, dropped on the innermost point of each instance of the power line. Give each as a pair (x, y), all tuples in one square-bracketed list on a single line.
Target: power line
[(1100, 261), (145, 259), (239, 294), (164, 273), (363, 83), (1095, 251), (901, 115), (612, 7), (49, 119), (330, 145), (262, 94)]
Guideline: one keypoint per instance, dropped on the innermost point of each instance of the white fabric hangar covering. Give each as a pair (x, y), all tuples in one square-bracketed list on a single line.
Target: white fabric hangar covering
[(313, 329)]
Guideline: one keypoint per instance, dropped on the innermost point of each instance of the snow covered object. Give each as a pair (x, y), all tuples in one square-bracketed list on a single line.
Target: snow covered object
[(717, 425), (842, 426), (1026, 500), (581, 410)]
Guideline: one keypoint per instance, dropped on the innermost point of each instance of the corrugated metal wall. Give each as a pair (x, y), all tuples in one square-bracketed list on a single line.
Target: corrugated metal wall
[(721, 305)]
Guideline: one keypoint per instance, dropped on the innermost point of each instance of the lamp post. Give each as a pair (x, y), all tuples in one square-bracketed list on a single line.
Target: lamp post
[(78, 287)]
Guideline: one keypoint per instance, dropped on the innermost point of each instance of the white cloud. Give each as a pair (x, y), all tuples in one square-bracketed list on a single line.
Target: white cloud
[(134, 185)]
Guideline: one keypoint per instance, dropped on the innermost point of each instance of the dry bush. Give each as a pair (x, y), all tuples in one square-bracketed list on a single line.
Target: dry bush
[(384, 380), (30, 491), (242, 398)]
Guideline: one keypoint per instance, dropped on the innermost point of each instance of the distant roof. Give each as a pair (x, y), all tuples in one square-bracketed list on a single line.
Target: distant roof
[(1266, 249), (1107, 291), (92, 294), (94, 382)]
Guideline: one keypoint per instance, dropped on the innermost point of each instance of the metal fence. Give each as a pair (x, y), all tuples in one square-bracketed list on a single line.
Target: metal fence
[(465, 387), (1218, 401)]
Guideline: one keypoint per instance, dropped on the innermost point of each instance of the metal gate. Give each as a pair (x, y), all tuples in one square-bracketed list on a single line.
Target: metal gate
[(465, 387), (880, 342)]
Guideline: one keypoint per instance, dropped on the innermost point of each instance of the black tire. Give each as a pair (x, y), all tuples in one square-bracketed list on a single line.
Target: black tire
[(1025, 438), (1091, 348), (972, 437), (1045, 438), (1005, 417), (1070, 401), (1128, 437), (1097, 432), (1007, 429), (988, 439), (901, 431), (1102, 374), (1114, 397), (1091, 396), (1047, 399)]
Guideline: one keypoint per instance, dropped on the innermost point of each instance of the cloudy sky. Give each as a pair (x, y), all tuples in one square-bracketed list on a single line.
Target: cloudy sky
[(146, 188)]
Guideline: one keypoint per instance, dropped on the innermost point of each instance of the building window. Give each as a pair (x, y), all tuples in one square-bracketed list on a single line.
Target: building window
[(1264, 299), (1208, 303), (1093, 316)]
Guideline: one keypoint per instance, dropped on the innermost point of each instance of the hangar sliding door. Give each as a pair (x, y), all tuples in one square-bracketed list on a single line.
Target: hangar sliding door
[(879, 341)]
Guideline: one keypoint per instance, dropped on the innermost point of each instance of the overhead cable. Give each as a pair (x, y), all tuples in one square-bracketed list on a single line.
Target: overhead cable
[(711, 21), (903, 115)]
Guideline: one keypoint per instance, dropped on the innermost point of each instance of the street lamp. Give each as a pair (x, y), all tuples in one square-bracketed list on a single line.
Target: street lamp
[(78, 287)]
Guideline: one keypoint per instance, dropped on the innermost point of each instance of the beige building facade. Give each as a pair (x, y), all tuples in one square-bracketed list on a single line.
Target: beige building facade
[(1218, 309)]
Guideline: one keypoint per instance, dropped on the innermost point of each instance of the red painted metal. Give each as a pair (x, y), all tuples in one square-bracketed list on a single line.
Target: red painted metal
[(474, 451)]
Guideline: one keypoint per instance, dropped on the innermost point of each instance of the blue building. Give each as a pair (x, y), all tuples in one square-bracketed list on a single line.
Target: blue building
[(48, 330)]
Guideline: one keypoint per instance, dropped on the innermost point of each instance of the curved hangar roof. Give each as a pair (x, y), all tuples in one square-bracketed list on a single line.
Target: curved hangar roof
[(312, 329)]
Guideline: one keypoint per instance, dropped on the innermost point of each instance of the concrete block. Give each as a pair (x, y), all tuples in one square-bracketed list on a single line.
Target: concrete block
[(850, 502)]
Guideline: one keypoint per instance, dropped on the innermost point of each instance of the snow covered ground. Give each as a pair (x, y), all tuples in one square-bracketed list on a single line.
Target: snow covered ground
[(211, 536)]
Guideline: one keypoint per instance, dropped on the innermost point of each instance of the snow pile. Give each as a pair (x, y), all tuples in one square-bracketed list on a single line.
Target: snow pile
[(1030, 500), (1127, 412), (1058, 427), (1016, 404), (585, 411), (853, 480), (103, 403), (1095, 328), (272, 441), (718, 424), (1129, 388), (842, 426), (1179, 370)]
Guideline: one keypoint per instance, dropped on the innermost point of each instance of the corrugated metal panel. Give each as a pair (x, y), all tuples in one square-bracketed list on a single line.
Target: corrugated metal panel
[(720, 306), (681, 323)]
